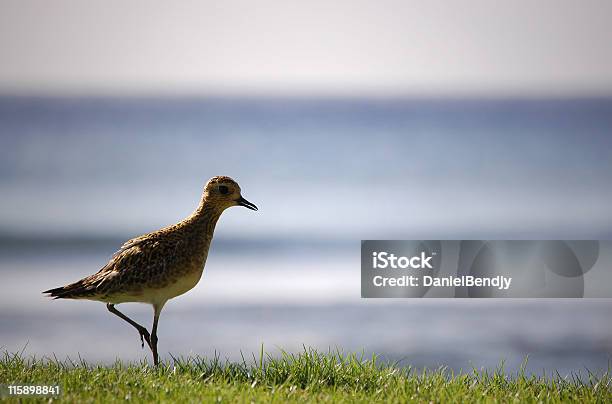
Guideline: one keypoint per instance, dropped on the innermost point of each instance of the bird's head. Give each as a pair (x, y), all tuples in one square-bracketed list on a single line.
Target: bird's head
[(224, 192)]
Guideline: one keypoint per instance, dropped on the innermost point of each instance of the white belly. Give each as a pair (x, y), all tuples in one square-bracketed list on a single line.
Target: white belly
[(182, 285), (160, 296)]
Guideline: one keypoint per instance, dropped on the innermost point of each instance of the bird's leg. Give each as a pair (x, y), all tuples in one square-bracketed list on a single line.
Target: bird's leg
[(144, 334), (154, 334)]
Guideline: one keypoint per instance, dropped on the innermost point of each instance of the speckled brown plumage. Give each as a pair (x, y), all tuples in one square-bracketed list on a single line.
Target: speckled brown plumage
[(158, 266), (152, 261)]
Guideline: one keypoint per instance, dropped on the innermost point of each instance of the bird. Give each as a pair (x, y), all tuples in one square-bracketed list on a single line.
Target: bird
[(158, 266)]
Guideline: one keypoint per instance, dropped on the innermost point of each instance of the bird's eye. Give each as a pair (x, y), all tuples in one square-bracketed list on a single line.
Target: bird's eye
[(223, 189)]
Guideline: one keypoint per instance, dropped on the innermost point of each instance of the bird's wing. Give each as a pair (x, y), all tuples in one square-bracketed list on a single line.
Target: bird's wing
[(137, 254), (134, 242), (137, 262)]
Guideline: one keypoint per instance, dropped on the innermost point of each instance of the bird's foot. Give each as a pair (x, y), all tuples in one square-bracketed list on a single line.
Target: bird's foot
[(144, 336)]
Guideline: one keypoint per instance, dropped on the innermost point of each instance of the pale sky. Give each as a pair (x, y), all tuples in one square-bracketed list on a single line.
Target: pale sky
[(476, 47)]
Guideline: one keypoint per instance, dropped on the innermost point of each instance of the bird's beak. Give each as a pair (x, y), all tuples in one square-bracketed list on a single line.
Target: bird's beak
[(243, 202)]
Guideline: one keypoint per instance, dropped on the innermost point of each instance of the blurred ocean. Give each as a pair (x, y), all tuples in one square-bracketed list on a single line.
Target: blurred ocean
[(79, 176)]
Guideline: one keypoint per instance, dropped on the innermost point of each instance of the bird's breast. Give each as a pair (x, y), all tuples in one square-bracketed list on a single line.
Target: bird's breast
[(174, 287)]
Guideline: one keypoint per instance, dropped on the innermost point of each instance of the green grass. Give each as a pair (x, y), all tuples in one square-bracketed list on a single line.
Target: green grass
[(307, 377)]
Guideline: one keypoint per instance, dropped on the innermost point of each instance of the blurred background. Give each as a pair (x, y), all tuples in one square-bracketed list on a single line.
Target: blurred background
[(342, 121)]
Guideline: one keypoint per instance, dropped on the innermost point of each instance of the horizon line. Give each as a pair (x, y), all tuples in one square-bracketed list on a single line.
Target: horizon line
[(297, 96)]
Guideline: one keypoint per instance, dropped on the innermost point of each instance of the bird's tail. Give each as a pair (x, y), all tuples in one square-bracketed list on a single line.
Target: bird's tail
[(76, 290)]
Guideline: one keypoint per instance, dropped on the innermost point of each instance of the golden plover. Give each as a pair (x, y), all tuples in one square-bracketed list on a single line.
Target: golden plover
[(158, 266)]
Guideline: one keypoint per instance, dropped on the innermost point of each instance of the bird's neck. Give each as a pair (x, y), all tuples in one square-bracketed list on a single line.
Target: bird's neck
[(198, 230), (204, 218)]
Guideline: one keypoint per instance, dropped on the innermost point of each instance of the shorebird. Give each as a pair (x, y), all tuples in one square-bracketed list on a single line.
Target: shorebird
[(158, 266)]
